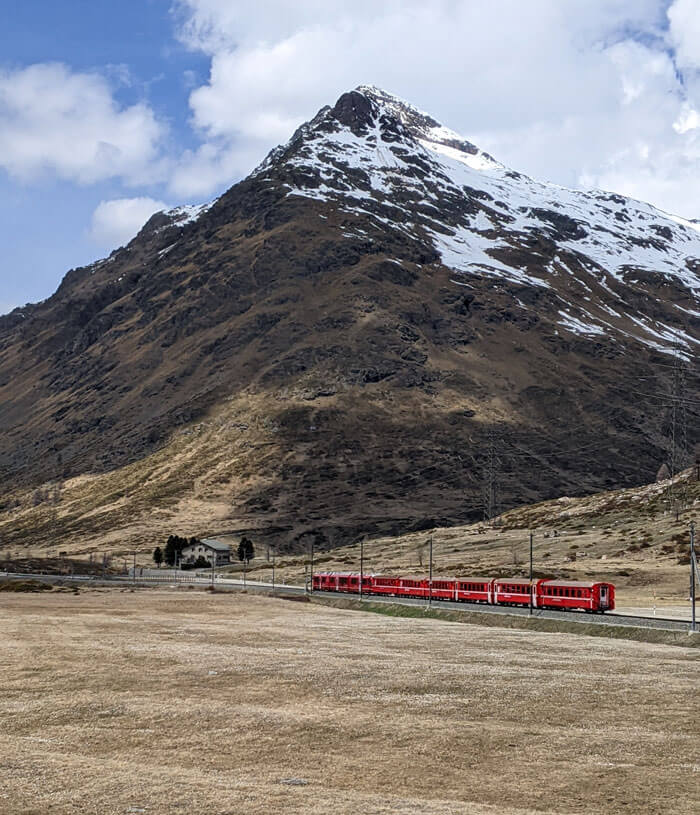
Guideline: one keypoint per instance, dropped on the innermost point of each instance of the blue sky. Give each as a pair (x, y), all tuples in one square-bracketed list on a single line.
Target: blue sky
[(109, 111), (45, 222)]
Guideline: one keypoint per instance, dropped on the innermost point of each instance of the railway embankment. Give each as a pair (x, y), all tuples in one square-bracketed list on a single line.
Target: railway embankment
[(585, 627)]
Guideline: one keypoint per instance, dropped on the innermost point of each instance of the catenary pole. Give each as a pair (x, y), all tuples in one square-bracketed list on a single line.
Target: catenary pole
[(693, 568), (531, 572), (312, 564), (273, 571), (430, 572), (362, 562)]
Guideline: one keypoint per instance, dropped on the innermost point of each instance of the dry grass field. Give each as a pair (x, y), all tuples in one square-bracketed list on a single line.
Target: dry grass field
[(185, 702)]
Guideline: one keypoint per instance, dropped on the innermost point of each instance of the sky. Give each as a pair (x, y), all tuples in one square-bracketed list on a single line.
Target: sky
[(112, 111)]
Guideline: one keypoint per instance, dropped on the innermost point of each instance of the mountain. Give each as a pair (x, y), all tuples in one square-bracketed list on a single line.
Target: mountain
[(379, 329)]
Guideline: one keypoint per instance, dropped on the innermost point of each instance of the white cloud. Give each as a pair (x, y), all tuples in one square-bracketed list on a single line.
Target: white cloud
[(115, 222), (55, 121), (684, 19), (567, 91)]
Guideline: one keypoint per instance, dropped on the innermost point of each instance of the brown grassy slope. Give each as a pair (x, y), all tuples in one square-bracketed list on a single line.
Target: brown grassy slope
[(161, 702), (629, 537)]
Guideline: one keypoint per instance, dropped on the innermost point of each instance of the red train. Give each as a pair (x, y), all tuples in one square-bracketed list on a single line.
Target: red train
[(563, 594)]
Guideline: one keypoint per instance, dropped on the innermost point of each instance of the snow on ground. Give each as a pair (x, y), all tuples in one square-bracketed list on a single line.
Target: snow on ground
[(188, 213), (577, 326)]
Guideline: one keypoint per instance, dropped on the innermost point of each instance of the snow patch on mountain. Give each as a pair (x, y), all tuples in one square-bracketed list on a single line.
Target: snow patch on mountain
[(188, 213)]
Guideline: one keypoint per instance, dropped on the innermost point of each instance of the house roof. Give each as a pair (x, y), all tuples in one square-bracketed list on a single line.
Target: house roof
[(216, 545)]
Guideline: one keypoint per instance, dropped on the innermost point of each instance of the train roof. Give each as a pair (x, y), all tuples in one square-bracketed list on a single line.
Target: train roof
[(468, 579), (510, 579), (573, 584)]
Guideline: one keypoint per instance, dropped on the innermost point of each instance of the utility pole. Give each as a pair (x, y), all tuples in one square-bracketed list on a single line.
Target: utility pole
[(693, 575), (134, 570), (491, 476), (313, 539), (530, 571), (213, 558), (430, 572), (273, 571), (362, 562), (679, 431)]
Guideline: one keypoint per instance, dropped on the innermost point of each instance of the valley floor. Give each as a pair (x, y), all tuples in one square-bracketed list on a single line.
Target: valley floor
[(183, 702)]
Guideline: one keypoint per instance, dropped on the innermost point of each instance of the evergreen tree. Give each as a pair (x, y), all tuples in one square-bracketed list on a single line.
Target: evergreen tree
[(170, 551), (158, 556), (246, 550), (173, 549)]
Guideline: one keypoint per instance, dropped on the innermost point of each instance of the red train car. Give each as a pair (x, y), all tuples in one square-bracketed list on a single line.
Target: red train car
[(512, 591), (442, 588), (474, 590), (576, 594), (387, 585), (348, 582)]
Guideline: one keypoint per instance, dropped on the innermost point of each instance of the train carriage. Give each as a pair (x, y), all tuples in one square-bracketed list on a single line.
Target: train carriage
[(348, 582), (512, 591), (384, 584), (412, 587), (576, 594), (442, 588), (473, 590)]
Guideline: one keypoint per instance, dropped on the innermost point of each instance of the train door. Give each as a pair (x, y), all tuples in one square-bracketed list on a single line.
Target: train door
[(604, 598)]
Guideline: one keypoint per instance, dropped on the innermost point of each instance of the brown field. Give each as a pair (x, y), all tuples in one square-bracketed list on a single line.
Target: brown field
[(184, 702)]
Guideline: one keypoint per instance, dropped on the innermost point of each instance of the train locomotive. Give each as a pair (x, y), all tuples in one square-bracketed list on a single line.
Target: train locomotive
[(567, 595)]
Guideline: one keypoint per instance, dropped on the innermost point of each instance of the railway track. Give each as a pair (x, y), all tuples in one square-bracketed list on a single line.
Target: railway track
[(609, 618)]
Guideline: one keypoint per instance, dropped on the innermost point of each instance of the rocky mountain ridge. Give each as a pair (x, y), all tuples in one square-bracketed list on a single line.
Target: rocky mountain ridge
[(408, 332)]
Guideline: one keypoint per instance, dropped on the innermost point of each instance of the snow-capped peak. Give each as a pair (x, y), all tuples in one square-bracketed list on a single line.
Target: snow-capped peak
[(429, 132), (393, 167)]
